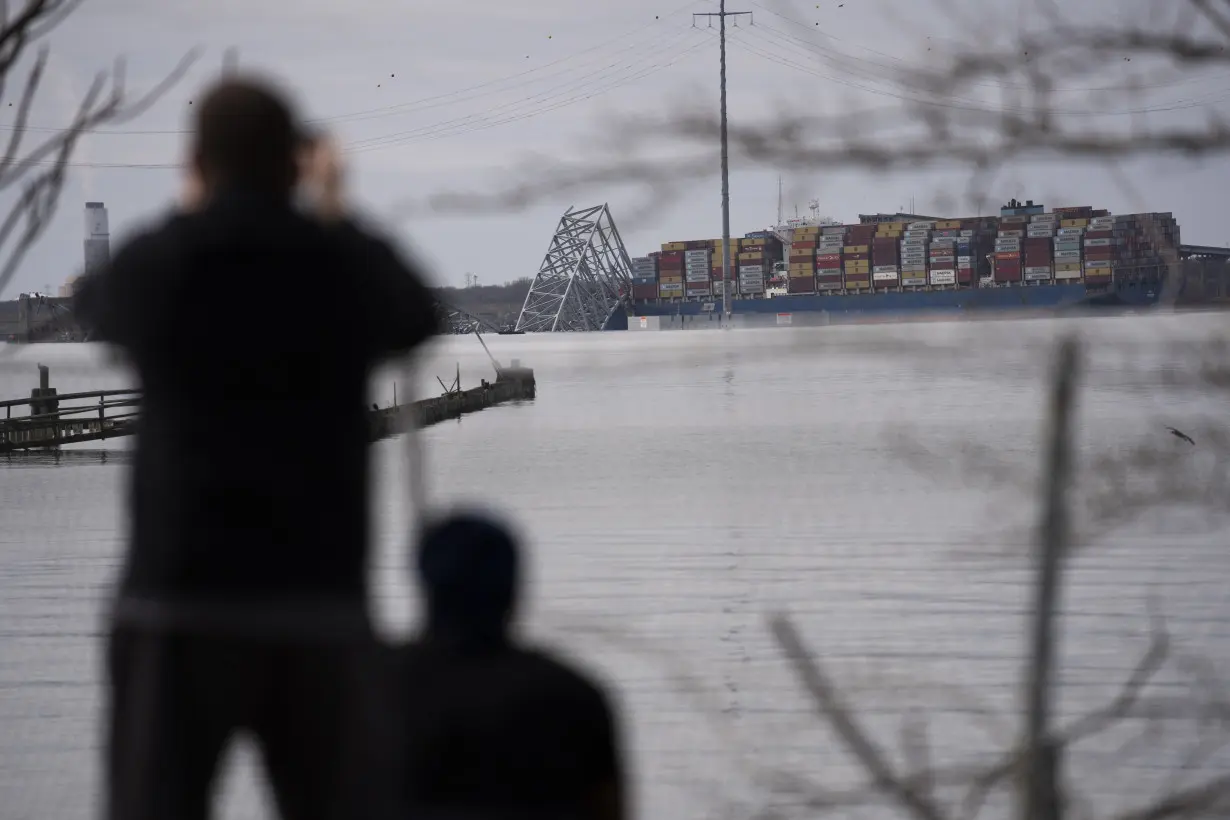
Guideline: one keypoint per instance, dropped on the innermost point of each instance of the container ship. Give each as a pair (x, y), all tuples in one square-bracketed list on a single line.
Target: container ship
[(889, 266)]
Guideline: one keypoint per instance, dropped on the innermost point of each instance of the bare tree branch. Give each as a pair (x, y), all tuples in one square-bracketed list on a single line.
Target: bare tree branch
[(42, 170)]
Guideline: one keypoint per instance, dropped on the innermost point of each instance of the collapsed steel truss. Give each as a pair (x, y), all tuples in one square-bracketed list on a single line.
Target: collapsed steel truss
[(584, 277), (455, 320)]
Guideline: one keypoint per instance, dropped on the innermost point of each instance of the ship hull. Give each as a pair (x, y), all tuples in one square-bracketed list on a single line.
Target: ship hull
[(913, 305)]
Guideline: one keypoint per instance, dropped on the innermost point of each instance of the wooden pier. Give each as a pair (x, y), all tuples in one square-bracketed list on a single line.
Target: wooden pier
[(47, 420)]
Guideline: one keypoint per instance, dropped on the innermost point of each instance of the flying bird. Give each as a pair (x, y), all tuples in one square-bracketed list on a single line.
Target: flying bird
[(1180, 434)]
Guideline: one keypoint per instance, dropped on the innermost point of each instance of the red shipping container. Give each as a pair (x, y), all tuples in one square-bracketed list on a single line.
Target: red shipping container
[(1005, 256), (830, 278), (886, 283), (644, 291), (964, 276), (672, 256), (1037, 243), (1099, 254), (1099, 234), (801, 284), (1007, 276), (855, 257), (803, 245), (802, 259), (835, 258), (698, 244)]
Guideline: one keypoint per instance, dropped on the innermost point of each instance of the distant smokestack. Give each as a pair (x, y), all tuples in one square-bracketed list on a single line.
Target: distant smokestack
[(97, 237)]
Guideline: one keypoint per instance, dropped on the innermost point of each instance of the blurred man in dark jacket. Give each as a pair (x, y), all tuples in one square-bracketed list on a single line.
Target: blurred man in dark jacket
[(494, 730), (252, 326)]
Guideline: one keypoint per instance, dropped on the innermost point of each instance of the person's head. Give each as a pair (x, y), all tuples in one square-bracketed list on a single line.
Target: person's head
[(247, 138), (469, 568)]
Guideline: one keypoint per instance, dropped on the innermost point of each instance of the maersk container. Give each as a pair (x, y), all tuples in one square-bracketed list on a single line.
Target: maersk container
[(912, 281), (944, 276)]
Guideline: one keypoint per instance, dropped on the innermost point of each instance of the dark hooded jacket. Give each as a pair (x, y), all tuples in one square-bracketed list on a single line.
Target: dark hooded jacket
[(252, 330), (495, 730)]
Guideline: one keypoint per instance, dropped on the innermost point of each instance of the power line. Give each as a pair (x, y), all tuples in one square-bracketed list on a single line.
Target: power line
[(959, 103), (539, 104), (436, 100)]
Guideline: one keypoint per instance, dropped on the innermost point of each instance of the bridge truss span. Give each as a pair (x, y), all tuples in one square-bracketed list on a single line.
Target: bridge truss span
[(584, 278)]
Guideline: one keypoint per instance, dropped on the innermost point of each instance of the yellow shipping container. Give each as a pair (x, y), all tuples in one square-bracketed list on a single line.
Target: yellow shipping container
[(889, 232), (748, 256), (856, 249), (861, 284), (1068, 266), (893, 226), (670, 280), (948, 225), (1074, 223), (674, 246), (802, 274)]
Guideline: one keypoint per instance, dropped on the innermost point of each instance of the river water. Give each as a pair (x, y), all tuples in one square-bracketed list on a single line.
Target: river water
[(676, 488)]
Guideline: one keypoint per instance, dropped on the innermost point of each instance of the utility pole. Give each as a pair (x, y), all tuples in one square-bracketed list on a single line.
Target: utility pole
[(727, 281)]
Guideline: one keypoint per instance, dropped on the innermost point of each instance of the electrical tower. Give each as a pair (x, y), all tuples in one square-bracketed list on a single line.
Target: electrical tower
[(584, 277), (728, 282)]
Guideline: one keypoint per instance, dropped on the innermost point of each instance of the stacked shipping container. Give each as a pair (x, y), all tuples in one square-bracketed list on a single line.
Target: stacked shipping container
[(696, 265), (1024, 246), (670, 271), (801, 264), (885, 256), (942, 270), (856, 256), (828, 258), (645, 277)]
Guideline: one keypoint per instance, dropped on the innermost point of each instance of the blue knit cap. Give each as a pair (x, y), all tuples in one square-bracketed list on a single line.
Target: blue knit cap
[(468, 567)]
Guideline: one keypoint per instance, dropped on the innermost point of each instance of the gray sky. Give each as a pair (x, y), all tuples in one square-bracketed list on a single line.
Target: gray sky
[(435, 97)]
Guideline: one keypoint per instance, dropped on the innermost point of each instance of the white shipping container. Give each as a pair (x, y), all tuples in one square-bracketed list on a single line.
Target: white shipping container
[(828, 286), (913, 266), (1098, 243), (828, 272), (1039, 269), (1037, 276), (1068, 274), (920, 226), (756, 269), (1043, 218), (965, 258), (1070, 231), (913, 281), (669, 288), (916, 234), (836, 230), (1067, 246), (1011, 233), (1067, 254), (884, 276), (1100, 263), (969, 233), (943, 260), (884, 269), (696, 253)]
